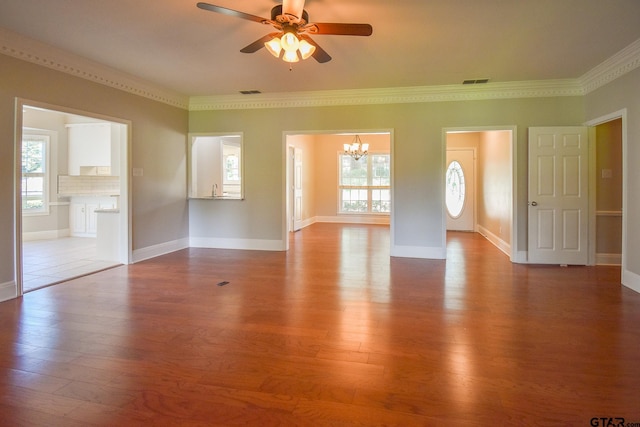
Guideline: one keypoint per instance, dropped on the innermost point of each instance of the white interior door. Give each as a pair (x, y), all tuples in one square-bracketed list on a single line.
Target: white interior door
[(460, 189), (297, 189), (558, 195)]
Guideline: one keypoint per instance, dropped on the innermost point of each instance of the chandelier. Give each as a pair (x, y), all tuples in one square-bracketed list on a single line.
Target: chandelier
[(356, 149)]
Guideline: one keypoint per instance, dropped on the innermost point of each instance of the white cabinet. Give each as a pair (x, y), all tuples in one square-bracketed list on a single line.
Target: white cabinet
[(108, 240), (83, 217), (94, 149)]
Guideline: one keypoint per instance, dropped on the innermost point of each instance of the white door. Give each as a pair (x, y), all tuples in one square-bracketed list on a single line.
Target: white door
[(297, 189), (460, 190), (558, 195)]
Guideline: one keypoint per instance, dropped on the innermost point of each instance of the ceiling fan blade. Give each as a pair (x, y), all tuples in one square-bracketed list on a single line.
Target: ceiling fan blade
[(293, 7), (339, 29), (231, 12), (320, 54), (258, 44)]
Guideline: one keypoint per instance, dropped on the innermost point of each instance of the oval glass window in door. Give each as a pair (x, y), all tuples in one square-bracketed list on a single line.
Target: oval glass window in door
[(455, 189)]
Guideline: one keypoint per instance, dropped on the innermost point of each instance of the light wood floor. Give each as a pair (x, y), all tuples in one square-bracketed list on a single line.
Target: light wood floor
[(46, 262), (331, 333)]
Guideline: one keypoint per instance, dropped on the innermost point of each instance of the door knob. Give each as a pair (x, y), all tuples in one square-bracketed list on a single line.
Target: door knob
[(534, 203)]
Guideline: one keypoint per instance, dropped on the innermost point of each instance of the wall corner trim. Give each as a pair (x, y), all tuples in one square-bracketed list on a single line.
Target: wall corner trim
[(418, 252), (160, 249), (232, 243), (398, 95), (619, 64), (631, 280), (8, 290)]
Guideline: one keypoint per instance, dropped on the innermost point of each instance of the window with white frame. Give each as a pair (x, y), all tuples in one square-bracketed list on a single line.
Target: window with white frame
[(364, 185), (34, 174)]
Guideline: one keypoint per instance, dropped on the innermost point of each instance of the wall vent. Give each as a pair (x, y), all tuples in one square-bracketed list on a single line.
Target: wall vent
[(475, 81), (249, 92)]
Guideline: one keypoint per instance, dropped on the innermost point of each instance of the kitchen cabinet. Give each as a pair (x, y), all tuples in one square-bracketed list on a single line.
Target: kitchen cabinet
[(83, 218), (94, 149)]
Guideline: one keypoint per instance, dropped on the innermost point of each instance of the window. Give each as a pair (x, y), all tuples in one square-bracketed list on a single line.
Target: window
[(364, 185), (455, 196), (34, 174)]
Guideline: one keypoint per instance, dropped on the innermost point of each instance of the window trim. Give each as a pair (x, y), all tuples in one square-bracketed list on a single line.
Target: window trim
[(46, 140), (368, 188)]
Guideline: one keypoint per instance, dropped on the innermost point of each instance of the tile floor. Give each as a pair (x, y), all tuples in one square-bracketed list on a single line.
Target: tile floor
[(46, 262)]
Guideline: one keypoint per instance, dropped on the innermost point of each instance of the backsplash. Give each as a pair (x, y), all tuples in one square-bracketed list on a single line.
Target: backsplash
[(86, 185)]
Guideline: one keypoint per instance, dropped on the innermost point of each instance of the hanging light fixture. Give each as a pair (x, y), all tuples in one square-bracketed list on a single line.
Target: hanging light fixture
[(293, 47), (356, 149)]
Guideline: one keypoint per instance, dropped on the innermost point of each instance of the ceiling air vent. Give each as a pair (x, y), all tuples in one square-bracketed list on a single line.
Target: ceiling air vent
[(475, 81), (249, 92)]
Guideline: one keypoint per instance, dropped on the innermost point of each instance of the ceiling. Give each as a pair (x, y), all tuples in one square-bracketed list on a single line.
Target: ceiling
[(188, 51)]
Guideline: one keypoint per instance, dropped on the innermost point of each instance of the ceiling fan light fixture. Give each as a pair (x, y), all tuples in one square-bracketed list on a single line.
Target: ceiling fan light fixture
[(274, 47), (306, 49), (290, 56), (289, 41), (292, 22)]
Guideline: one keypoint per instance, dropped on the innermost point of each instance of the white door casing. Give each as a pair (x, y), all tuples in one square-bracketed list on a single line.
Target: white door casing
[(465, 221), (297, 189), (558, 195)]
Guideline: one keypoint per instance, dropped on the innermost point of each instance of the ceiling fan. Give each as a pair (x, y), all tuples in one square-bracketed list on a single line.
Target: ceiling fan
[(293, 29)]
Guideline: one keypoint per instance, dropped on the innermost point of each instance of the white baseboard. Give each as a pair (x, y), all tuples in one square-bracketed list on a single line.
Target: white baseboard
[(354, 219), (608, 259), (631, 280), (495, 240), (520, 257), (307, 222), (45, 235), (418, 252), (8, 290), (246, 244), (160, 249)]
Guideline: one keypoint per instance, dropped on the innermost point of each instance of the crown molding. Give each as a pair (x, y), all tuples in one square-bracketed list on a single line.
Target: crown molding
[(21, 47), (402, 95), (26, 49), (619, 64)]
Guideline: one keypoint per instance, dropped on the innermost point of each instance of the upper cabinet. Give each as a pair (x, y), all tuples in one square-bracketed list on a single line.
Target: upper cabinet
[(215, 167), (94, 149)]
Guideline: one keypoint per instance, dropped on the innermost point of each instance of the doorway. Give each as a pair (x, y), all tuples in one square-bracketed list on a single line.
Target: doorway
[(314, 190), (493, 203), (607, 182), (72, 215)]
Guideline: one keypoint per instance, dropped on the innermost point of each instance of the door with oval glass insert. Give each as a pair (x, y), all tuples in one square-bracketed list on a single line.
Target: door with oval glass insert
[(460, 190)]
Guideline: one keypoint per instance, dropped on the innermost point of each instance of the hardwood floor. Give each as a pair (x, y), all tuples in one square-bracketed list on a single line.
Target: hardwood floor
[(331, 333)]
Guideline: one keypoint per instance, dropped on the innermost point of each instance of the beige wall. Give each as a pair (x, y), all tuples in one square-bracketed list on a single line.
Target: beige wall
[(609, 187), (159, 208), (418, 159), (495, 202)]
